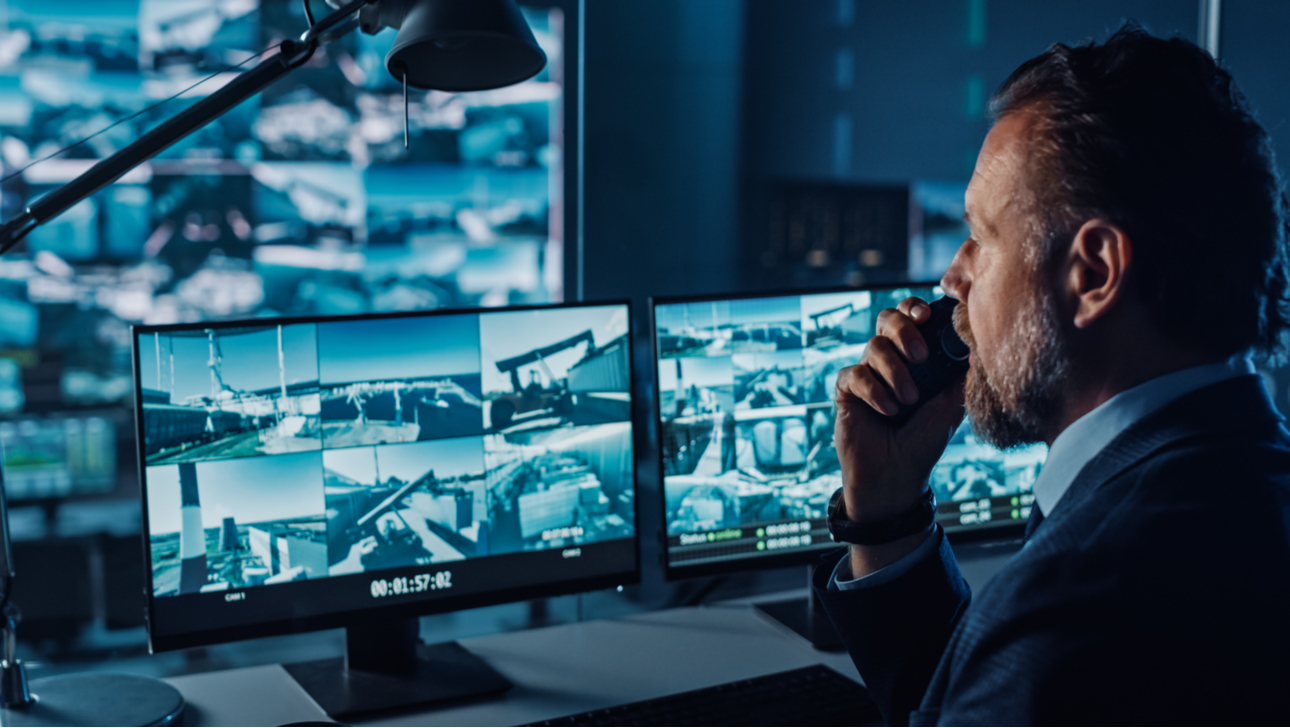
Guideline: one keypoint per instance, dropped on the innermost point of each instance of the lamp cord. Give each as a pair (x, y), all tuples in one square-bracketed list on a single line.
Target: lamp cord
[(137, 114)]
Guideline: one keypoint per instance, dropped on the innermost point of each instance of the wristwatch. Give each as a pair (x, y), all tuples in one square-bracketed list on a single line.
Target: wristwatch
[(917, 518)]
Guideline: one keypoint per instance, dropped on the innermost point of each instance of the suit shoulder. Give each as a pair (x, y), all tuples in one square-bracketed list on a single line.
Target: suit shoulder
[(1211, 475), (1213, 509)]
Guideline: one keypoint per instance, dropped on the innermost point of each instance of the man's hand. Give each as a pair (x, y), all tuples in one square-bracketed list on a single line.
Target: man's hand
[(885, 468)]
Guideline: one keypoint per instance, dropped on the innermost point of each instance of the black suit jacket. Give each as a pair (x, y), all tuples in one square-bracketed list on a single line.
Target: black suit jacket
[(1156, 592)]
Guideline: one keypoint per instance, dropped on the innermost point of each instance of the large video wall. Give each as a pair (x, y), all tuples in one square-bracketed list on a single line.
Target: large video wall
[(302, 201)]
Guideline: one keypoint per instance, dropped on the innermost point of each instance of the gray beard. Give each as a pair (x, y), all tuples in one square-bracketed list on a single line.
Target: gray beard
[(1017, 401)]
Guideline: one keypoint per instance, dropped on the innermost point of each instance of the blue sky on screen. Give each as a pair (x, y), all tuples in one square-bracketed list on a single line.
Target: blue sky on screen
[(249, 362), (697, 370), (676, 316), (859, 300), (766, 310), (398, 348), (251, 490), (506, 335)]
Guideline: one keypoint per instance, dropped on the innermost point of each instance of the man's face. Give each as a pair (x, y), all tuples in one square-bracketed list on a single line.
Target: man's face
[(1008, 314)]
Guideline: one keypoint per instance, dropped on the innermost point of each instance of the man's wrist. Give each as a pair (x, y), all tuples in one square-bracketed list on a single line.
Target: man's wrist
[(866, 560), (874, 512), (912, 520)]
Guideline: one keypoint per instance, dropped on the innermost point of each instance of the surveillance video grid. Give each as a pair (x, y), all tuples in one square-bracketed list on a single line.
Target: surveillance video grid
[(746, 431), (252, 521), (224, 393), (383, 381), (304, 451), (538, 374), (301, 201), (402, 505)]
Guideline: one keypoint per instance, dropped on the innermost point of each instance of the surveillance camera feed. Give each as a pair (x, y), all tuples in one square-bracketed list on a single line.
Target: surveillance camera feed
[(361, 461), (745, 392), (302, 201)]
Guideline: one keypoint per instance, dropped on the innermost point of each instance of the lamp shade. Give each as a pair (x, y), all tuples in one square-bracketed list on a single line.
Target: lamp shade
[(464, 45)]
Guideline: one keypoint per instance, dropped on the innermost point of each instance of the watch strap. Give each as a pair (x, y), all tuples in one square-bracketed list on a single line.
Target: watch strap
[(917, 518)]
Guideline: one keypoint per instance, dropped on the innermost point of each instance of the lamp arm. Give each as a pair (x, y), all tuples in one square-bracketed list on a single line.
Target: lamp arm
[(290, 55)]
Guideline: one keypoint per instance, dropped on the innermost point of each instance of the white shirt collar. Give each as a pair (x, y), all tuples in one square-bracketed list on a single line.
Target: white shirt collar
[(1086, 437)]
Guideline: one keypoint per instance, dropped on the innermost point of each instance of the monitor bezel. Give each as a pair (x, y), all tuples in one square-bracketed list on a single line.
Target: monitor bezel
[(440, 605), (1003, 531)]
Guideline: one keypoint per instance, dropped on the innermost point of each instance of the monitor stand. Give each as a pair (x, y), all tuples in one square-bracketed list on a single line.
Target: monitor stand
[(805, 616), (386, 667)]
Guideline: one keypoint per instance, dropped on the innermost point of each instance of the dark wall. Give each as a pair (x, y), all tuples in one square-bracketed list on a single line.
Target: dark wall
[(862, 91), (913, 77), (661, 157), (1253, 45), (692, 107)]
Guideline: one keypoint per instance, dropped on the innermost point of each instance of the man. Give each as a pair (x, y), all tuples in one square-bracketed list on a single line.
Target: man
[(1127, 253)]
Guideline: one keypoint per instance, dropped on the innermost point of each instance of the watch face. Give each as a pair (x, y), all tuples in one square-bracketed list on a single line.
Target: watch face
[(833, 511)]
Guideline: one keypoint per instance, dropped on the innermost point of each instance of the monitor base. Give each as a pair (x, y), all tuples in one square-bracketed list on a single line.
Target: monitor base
[(805, 616), (97, 699), (442, 672)]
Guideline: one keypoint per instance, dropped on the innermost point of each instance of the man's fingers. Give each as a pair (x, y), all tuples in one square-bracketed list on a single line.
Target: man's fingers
[(915, 308), (897, 326), (886, 363), (859, 382), (882, 379)]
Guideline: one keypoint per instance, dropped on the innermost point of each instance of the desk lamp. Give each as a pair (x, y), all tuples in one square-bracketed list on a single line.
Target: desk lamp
[(447, 45)]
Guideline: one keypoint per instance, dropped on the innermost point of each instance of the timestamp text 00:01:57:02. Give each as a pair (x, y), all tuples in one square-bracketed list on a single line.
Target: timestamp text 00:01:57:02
[(411, 584)]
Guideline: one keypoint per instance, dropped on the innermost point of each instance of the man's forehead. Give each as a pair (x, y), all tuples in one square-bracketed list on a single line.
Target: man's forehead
[(996, 180)]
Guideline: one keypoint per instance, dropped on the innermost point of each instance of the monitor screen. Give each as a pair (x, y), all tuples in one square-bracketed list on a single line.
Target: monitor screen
[(745, 397), (61, 455), (298, 471)]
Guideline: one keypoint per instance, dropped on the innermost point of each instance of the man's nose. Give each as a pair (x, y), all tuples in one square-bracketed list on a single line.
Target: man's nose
[(957, 280)]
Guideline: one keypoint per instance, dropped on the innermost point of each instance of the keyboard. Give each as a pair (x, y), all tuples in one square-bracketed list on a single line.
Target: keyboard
[(814, 695)]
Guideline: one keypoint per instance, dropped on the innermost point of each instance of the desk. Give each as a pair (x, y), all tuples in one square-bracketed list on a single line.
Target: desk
[(556, 670)]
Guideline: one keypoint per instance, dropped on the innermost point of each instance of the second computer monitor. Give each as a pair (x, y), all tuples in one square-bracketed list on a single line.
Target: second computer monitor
[(745, 397)]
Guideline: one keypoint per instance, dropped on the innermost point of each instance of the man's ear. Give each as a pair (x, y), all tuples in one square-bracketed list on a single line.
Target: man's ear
[(1099, 258)]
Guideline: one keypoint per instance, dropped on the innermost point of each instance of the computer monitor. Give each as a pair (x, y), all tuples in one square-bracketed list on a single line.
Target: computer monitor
[(745, 404), (308, 473), (61, 454)]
